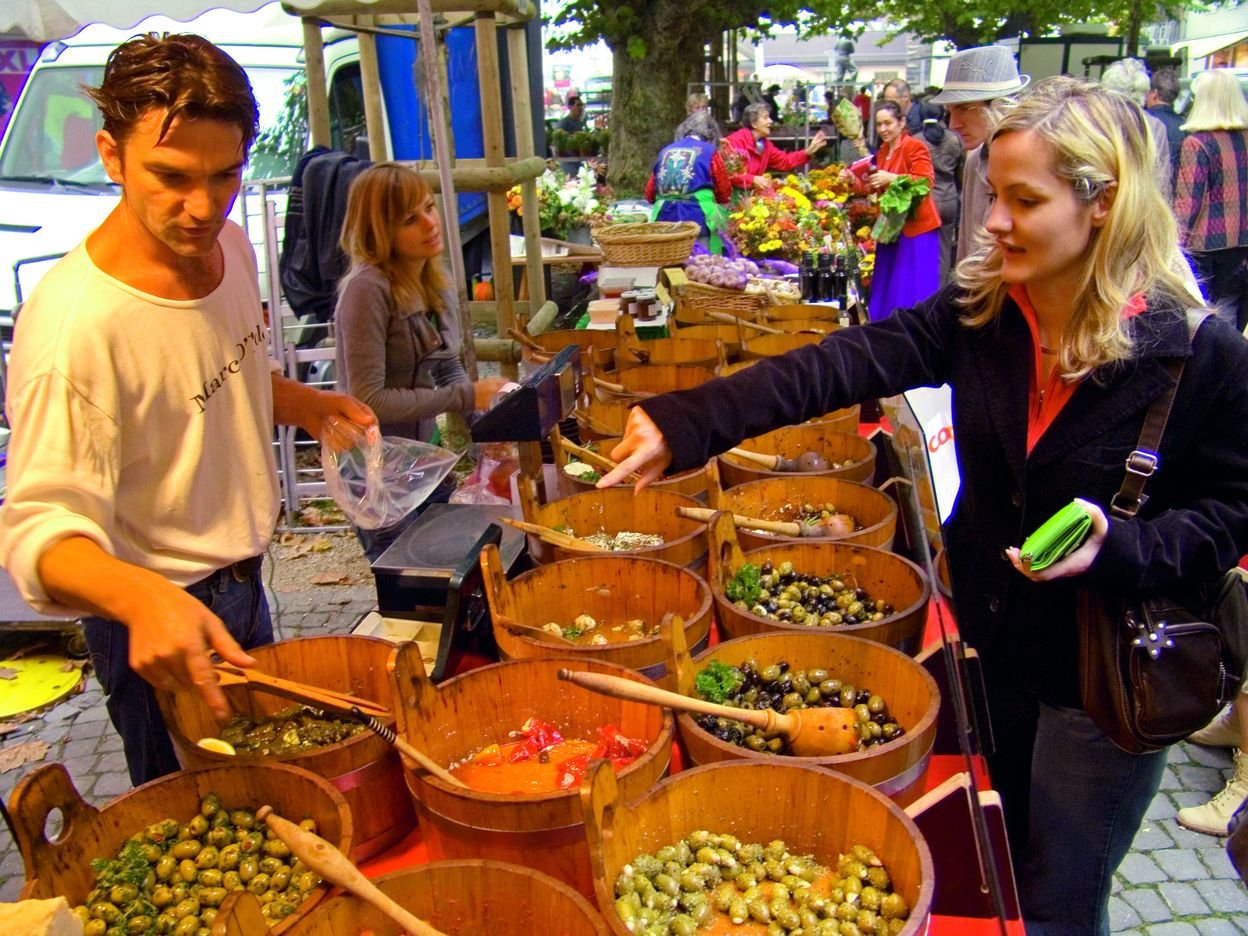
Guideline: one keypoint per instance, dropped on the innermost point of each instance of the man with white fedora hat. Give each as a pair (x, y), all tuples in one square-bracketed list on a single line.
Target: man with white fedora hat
[(978, 86)]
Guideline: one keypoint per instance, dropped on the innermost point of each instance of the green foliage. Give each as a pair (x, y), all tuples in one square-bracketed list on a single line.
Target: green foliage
[(278, 148), (718, 682), (636, 47), (746, 584)]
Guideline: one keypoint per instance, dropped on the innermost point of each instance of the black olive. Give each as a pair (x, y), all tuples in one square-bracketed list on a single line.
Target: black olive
[(766, 569)]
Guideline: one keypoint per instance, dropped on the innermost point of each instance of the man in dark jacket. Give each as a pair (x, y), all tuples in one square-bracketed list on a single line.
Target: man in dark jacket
[(1163, 88)]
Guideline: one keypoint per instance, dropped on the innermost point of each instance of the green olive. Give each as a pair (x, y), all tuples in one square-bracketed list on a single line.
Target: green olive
[(207, 857), (243, 819), (210, 877), (208, 916), (209, 805), (187, 908), (231, 881), (280, 879), (258, 884), (188, 848), (219, 836), (229, 856), (212, 896), (248, 868), (893, 907), (198, 825), (187, 926), (122, 893), (138, 925), (161, 897), (187, 870), (103, 910), (269, 864), (307, 881), (94, 928), (308, 825), (165, 867)]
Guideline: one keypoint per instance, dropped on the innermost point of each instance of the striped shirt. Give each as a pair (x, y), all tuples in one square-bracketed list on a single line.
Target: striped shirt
[(1211, 190)]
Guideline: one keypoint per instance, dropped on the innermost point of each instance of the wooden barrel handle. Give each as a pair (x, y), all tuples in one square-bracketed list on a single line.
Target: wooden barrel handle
[(335, 867), (526, 341), (34, 799)]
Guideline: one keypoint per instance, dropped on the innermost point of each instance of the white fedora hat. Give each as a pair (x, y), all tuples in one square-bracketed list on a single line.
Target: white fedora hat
[(980, 74)]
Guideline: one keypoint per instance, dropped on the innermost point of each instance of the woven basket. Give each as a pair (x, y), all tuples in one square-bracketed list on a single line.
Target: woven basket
[(646, 243), (699, 297)]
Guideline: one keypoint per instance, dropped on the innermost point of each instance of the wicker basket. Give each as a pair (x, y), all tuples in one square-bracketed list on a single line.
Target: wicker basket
[(699, 297), (646, 243)]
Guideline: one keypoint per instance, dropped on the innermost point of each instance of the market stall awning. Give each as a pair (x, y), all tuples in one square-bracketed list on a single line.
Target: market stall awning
[(1205, 46), (49, 20)]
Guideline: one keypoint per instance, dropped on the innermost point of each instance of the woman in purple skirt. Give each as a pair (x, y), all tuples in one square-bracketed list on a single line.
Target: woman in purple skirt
[(908, 270)]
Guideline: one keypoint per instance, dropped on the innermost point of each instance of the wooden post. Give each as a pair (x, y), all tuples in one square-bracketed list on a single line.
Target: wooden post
[(522, 120), (370, 76), (435, 110), (489, 76), (318, 85)]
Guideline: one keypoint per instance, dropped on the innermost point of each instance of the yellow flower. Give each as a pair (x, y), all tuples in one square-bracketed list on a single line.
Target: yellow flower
[(798, 198), (759, 211)]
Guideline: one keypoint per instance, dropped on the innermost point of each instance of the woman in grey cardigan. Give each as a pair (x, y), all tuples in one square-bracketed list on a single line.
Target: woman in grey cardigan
[(398, 334)]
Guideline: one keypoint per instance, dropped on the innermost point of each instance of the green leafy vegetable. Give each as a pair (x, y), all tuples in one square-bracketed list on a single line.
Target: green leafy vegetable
[(718, 682), (902, 192), (571, 633), (129, 867), (745, 585)]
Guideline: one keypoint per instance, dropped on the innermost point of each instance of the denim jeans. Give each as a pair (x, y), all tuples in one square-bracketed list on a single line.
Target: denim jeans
[(240, 604), (1088, 798)]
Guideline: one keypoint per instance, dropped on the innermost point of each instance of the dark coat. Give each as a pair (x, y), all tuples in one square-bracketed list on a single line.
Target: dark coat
[(1194, 526)]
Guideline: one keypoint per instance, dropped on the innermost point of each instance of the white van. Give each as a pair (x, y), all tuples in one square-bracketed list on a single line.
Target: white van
[(53, 188)]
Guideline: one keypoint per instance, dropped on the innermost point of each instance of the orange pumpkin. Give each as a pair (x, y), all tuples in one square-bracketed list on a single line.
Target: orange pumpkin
[(483, 290)]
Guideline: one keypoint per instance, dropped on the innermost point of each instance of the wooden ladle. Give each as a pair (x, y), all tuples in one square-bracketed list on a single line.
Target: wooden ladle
[(551, 535), (596, 459), (335, 867), (770, 462), (812, 732), (782, 527)]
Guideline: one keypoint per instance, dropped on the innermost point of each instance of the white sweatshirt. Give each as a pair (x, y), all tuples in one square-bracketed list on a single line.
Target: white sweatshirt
[(144, 424)]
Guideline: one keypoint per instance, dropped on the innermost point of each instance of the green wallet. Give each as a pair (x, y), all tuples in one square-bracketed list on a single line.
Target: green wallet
[(1057, 537)]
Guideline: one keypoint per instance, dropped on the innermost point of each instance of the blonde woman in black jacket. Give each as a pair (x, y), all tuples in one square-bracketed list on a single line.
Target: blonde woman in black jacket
[(1054, 343)]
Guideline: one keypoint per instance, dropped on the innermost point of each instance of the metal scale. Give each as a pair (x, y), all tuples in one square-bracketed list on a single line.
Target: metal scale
[(432, 571)]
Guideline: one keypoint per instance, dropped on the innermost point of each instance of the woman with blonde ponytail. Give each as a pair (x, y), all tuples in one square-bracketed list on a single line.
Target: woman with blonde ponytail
[(1055, 340)]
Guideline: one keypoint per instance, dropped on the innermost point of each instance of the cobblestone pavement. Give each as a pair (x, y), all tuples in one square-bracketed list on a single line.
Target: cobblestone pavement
[(1173, 883)]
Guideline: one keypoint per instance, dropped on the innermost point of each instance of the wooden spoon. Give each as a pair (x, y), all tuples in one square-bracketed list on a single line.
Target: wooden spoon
[(812, 732), (743, 323), (770, 462), (526, 341), (783, 527), (335, 867), (317, 697), (552, 536)]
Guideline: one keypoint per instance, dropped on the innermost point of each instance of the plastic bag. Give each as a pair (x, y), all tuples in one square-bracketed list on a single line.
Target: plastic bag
[(490, 483), (382, 480)]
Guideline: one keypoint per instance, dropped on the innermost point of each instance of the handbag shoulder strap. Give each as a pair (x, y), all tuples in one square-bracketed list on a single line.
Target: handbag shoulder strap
[(1143, 461)]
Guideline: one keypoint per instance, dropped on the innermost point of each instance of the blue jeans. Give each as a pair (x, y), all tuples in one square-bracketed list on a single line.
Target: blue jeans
[(237, 599), (1088, 798)]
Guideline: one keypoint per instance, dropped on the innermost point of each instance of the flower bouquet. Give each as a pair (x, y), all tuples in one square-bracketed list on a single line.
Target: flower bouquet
[(792, 219), (564, 202)]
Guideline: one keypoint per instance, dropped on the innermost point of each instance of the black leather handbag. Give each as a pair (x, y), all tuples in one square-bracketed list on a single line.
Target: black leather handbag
[(1154, 668)]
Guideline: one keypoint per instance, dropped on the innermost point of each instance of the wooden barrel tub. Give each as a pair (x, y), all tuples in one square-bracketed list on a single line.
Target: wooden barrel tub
[(894, 768), (730, 335), (884, 575), (596, 419), (610, 589), (770, 345), (587, 339), (459, 898), (856, 454), (364, 768), (62, 868), (451, 721), (616, 510), (783, 313), (814, 811), (773, 498), (652, 379), (820, 327), (695, 352), (838, 420)]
